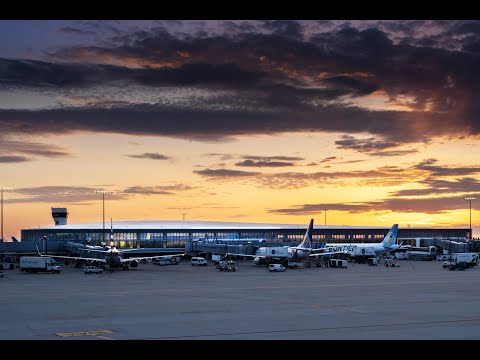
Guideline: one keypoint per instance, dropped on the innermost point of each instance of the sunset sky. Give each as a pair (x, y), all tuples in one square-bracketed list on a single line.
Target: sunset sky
[(248, 121)]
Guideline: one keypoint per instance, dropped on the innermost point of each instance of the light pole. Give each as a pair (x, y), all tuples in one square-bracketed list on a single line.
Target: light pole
[(103, 205), (45, 243), (325, 216), (2, 189), (470, 200)]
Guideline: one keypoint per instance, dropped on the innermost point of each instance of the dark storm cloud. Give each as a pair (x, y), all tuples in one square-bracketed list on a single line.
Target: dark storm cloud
[(437, 170), (354, 85), (238, 27), (157, 190), (265, 163), (278, 81), (289, 28), (228, 75), (209, 124), (152, 156), (467, 27), (224, 173), (13, 159), (435, 187), (39, 73), (75, 31)]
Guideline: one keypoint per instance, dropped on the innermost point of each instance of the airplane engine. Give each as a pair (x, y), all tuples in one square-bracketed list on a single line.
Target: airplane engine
[(134, 263), (258, 261)]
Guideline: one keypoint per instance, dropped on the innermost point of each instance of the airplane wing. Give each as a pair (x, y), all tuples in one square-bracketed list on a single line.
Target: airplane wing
[(72, 257), (127, 260), (244, 255)]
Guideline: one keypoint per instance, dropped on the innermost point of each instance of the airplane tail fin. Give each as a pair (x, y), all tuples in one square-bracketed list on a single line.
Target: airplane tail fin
[(391, 237), (307, 240)]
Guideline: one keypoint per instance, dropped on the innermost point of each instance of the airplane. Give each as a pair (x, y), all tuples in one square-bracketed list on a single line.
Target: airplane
[(361, 251), (113, 257), (290, 254)]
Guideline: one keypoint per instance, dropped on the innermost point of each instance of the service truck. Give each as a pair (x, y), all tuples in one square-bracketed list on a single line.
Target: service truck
[(34, 264), (470, 258)]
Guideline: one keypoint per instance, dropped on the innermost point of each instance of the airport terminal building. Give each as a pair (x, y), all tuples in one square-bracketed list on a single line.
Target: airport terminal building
[(164, 235)]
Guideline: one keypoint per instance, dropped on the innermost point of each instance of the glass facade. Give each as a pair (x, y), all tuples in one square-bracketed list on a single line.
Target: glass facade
[(176, 238)]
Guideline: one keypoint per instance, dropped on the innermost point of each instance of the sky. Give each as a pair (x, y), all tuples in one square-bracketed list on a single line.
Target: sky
[(359, 123)]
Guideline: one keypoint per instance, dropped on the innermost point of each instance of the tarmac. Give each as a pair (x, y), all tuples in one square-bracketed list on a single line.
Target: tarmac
[(418, 300)]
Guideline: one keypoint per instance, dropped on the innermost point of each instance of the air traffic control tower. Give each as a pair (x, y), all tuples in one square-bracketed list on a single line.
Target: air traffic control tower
[(60, 216)]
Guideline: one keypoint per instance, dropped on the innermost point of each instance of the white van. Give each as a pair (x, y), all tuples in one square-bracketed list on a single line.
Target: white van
[(198, 261), (276, 267), (92, 270)]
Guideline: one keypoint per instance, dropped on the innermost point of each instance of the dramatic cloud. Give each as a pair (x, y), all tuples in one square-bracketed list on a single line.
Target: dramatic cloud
[(427, 206), (312, 107), (9, 146), (313, 209), (266, 163), (60, 194), (224, 173), (363, 145), (394, 152), (435, 187), (270, 158), (421, 173), (79, 194), (13, 159), (152, 156), (157, 190), (328, 159), (75, 31), (242, 78), (427, 165), (292, 180)]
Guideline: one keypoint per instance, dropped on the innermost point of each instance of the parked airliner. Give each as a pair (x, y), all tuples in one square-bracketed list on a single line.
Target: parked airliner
[(300, 253), (365, 250), (113, 257)]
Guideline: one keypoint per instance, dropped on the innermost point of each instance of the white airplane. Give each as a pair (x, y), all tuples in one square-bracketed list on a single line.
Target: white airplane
[(285, 254), (113, 257), (365, 250)]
